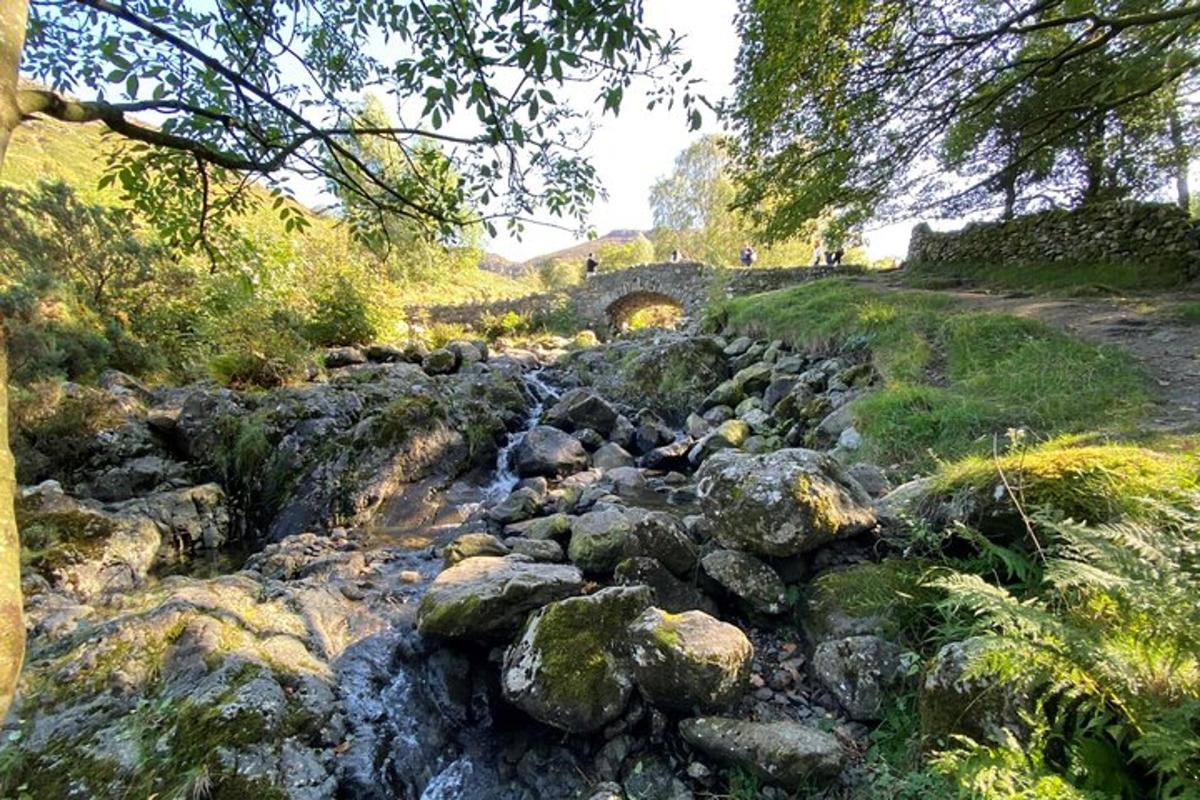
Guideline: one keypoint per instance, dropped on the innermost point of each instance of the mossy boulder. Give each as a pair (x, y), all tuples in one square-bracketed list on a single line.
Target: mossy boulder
[(600, 537), (786, 754), (781, 504), (957, 698), (439, 362), (489, 597), (1095, 483), (750, 581), (689, 661), (884, 598), (570, 668), (730, 434), (555, 526), (580, 409)]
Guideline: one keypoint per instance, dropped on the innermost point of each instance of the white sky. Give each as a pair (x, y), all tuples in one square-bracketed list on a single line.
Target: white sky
[(631, 151)]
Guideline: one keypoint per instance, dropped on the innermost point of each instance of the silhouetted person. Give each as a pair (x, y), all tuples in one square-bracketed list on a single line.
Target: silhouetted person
[(818, 253), (838, 255), (676, 256), (590, 265)]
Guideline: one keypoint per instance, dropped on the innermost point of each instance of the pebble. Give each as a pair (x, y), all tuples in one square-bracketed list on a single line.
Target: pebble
[(410, 576)]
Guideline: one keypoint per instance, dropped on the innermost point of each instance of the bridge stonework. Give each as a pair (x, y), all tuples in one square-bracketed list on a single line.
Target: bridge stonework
[(608, 299)]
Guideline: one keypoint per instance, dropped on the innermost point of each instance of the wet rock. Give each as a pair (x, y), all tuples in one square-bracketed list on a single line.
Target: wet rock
[(670, 593), (611, 456), (788, 754), (489, 597), (782, 503), (344, 357), (568, 669), (745, 577), (518, 506), (599, 539), (859, 671), (473, 545), (549, 452), (689, 661), (439, 362)]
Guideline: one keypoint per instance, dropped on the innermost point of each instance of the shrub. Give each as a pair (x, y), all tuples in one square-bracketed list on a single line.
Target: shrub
[(340, 317)]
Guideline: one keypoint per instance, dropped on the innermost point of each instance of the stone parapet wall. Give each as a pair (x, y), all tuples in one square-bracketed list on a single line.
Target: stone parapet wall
[(608, 297), (1147, 233)]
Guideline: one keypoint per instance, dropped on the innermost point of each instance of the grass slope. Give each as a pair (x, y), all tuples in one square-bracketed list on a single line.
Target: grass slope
[(952, 378)]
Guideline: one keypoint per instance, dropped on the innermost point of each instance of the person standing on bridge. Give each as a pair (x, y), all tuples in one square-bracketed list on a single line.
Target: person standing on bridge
[(590, 265), (838, 255), (818, 253), (676, 256), (748, 255)]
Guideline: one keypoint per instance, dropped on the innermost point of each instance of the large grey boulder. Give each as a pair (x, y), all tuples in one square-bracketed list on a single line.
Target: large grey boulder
[(569, 668), (580, 409), (190, 520), (549, 452), (689, 661), (439, 362), (748, 579), (781, 504), (489, 597), (787, 754), (473, 545), (859, 671), (344, 357), (519, 505)]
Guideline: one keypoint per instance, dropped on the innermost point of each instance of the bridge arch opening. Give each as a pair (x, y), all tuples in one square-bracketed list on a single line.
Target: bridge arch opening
[(644, 309)]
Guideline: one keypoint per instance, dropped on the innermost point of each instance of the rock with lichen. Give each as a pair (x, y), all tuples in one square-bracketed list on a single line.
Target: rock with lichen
[(569, 667), (689, 661)]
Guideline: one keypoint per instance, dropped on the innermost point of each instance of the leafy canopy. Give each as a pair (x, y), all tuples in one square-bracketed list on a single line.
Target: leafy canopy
[(270, 90), (845, 106)]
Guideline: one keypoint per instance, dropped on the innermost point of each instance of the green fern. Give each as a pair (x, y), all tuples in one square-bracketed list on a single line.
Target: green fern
[(1104, 639)]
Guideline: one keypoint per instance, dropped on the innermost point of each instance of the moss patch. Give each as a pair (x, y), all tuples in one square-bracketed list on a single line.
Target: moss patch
[(889, 594), (1089, 482)]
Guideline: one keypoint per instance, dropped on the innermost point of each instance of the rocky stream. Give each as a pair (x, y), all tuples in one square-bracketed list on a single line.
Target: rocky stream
[(606, 572)]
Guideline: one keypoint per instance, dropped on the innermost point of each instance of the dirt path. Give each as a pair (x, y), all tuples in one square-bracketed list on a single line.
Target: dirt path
[(1142, 325)]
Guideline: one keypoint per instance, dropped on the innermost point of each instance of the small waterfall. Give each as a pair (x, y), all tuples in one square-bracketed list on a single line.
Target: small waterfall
[(506, 479)]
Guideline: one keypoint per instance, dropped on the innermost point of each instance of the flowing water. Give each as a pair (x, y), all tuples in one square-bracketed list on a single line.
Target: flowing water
[(506, 479)]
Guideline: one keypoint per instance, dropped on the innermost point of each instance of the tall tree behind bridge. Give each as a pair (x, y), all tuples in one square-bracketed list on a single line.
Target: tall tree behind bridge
[(262, 91), (842, 106)]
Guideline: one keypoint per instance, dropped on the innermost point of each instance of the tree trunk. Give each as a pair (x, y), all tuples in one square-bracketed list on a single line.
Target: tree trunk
[(1093, 161), (14, 15), (1179, 154), (1008, 182)]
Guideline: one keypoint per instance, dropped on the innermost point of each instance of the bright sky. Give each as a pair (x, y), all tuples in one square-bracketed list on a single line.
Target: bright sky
[(633, 150)]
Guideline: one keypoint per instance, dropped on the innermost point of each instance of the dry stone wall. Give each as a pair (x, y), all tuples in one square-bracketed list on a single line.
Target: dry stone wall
[(1148, 233)]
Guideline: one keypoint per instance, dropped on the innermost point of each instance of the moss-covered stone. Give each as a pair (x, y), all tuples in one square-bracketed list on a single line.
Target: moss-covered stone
[(689, 661), (569, 668), (883, 598)]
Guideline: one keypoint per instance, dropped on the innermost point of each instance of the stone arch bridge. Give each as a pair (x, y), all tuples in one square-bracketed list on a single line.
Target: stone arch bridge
[(608, 299)]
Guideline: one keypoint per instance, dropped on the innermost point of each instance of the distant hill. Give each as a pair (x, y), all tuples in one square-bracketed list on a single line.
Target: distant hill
[(576, 252)]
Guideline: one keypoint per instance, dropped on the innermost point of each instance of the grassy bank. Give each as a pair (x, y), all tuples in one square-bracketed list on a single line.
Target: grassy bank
[(951, 378)]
